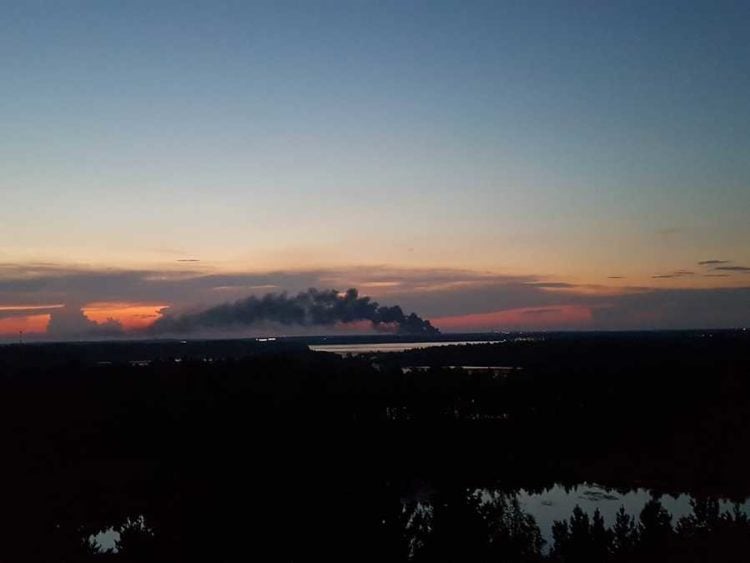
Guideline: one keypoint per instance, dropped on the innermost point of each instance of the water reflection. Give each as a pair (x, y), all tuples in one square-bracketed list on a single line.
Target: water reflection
[(585, 522), (107, 540), (367, 348), (558, 502)]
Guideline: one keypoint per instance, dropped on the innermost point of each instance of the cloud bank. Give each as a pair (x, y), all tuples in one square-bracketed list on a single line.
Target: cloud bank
[(57, 302), (70, 321)]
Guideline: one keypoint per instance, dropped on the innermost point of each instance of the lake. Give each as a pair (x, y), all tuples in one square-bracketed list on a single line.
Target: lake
[(368, 348)]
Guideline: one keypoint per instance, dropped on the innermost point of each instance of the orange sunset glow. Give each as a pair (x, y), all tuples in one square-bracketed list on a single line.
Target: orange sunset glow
[(28, 324), (130, 315)]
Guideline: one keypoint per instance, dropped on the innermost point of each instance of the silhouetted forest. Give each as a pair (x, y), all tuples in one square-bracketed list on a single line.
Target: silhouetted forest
[(228, 451)]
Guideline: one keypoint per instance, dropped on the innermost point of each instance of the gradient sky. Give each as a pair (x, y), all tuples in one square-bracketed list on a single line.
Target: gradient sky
[(599, 146)]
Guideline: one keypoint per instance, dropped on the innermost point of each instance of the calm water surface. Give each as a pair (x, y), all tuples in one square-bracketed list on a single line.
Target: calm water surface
[(366, 348), (558, 503)]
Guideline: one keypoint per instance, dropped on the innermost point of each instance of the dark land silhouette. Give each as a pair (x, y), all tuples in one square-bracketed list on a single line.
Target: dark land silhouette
[(240, 450)]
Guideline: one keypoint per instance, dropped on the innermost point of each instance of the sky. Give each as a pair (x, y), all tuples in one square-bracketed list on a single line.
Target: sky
[(490, 165)]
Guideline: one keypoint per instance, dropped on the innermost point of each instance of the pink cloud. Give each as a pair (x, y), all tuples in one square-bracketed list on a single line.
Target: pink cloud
[(531, 318)]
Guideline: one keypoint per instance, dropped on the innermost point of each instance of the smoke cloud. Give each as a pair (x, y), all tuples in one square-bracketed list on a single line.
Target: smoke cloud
[(309, 308)]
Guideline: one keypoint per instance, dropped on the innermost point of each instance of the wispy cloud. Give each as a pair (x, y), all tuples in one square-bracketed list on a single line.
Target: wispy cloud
[(677, 274), (545, 311), (669, 231), (10, 311), (553, 285)]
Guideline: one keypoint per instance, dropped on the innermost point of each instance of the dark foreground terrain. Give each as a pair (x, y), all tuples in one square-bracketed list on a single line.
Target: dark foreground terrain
[(232, 451)]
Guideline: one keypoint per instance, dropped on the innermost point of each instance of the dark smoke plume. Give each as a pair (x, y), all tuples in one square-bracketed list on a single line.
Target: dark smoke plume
[(309, 308)]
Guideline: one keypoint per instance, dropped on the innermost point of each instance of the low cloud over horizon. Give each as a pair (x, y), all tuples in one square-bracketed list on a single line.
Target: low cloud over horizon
[(58, 302)]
